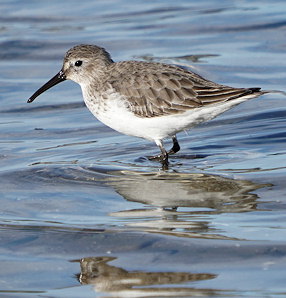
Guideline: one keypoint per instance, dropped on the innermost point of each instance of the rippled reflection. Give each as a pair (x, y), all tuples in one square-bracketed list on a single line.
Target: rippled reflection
[(119, 282), (180, 204), (170, 203), (173, 190)]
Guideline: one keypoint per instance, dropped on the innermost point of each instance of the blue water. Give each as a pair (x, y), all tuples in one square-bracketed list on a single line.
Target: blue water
[(82, 207)]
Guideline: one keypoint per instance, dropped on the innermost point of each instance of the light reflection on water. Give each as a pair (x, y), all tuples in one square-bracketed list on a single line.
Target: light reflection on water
[(82, 204)]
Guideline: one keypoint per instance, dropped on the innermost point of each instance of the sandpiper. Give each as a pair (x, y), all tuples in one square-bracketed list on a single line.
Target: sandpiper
[(149, 100)]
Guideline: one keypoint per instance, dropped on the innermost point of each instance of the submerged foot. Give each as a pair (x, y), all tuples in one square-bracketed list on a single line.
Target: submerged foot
[(163, 158)]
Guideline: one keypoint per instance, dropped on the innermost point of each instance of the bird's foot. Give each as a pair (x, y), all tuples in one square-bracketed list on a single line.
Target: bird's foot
[(163, 158), (155, 157)]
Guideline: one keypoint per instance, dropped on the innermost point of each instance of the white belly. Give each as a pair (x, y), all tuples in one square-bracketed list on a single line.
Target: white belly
[(114, 114)]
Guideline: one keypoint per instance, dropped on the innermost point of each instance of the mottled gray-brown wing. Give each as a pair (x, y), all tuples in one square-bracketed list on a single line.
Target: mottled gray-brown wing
[(152, 89)]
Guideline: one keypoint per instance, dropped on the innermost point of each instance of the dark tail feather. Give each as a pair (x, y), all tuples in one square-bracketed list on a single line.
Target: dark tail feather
[(254, 90), (258, 90)]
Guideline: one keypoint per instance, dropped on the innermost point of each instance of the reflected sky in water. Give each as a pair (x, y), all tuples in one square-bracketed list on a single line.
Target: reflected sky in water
[(85, 213)]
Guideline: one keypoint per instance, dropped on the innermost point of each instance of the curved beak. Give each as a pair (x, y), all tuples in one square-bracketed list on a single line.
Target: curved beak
[(59, 77)]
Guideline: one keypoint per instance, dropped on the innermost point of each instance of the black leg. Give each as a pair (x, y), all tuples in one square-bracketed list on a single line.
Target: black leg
[(176, 146)]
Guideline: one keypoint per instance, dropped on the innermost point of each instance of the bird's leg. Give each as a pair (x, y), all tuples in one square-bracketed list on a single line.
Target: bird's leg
[(162, 157), (176, 146)]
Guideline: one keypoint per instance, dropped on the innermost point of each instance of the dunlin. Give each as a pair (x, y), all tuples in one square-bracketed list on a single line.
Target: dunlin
[(149, 100)]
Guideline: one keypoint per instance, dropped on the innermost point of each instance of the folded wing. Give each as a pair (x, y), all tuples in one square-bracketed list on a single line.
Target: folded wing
[(154, 89)]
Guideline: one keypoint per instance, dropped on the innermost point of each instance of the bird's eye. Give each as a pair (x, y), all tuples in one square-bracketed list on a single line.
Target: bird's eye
[(78, 63)]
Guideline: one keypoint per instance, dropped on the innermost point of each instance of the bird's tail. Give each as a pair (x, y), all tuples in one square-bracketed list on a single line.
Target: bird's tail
[(268, 91)]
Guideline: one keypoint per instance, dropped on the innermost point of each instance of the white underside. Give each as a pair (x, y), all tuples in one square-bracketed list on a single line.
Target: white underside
[(115, 115)]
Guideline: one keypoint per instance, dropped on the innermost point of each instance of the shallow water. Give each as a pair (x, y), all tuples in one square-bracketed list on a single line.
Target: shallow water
[(84, 213)]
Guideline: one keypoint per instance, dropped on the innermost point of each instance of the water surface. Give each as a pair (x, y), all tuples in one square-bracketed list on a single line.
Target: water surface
[(84, 213)]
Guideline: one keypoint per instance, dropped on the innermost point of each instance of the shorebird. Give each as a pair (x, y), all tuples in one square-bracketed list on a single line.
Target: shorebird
[(149, 100)]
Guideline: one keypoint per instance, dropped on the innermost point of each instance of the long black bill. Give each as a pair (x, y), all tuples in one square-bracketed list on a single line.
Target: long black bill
[(59, 77)]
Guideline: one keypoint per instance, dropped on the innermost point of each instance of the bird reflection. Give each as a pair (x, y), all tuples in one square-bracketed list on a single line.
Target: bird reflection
[(119, 282), (172, 190), (196, 195)]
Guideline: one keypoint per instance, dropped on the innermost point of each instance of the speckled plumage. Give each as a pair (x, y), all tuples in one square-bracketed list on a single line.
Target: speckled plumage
[(145, 99), (155, 89)]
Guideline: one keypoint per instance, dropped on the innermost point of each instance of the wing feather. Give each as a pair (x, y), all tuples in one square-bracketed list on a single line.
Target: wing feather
[(155, 89)]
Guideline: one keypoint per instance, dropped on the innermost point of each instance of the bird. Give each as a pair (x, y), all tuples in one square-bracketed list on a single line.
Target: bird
[(149, 100)]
